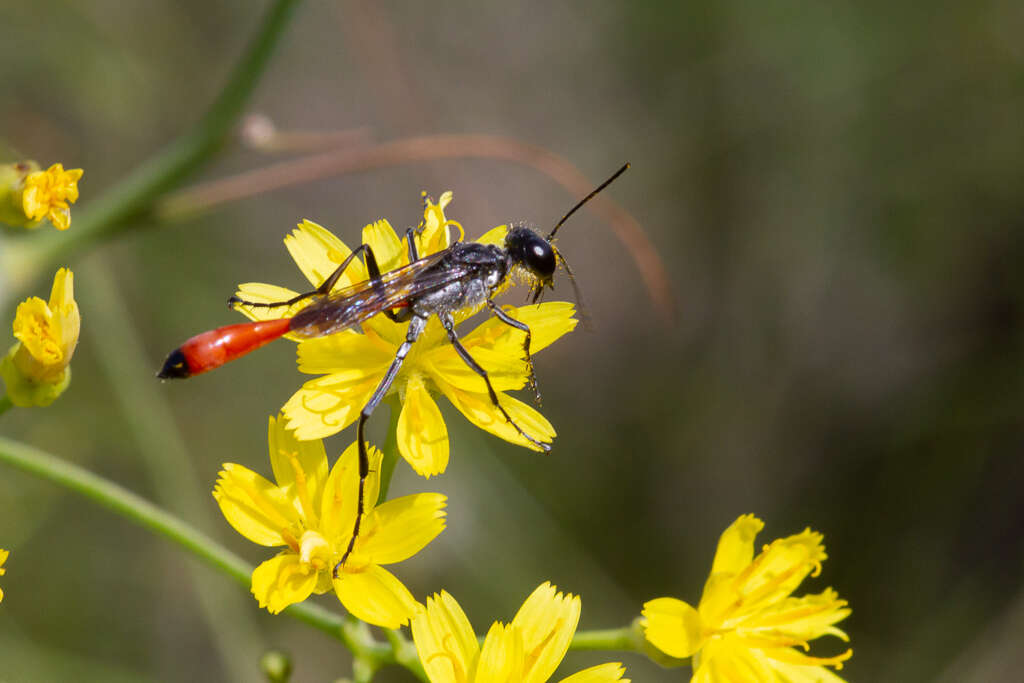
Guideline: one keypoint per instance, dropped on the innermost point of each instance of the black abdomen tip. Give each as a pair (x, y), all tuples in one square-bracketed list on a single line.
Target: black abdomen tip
[(175, 367)]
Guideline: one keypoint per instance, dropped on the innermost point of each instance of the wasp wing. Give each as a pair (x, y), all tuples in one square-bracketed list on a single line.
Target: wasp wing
[(351, 306)]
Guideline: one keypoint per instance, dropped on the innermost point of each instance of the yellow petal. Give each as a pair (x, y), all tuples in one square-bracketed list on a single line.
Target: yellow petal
[(375, 596), (673, 627), (318, 252), (422, 434), (805, 618), (341, 494), (794, 666), (400, 528), (736, 545), (547, 321), (261, 293), (281, 581), (547, 621), (479, 410), (60, 217), (345, 352), (255, 507), (494, 236), (387, 248), (507, 371), (602, 673), (501, 659), (725, 660), (327, 405), (435, 233), (299, 467), (33, 202), (34, 326), (782, 565), (445, 640)]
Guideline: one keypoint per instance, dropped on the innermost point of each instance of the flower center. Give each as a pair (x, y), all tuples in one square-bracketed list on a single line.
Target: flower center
[(314, 550)]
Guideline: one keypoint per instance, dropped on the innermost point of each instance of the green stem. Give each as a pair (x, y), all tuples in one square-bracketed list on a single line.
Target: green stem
[(626, 638), (5, 404), (136, 193), (390, 449), (348, 630)]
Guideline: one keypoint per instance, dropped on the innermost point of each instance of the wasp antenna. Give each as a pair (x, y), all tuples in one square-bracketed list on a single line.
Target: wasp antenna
[(580, 307), (587, 199)]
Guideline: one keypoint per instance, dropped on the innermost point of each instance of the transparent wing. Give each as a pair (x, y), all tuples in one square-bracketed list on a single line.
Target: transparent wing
[(350, 306)]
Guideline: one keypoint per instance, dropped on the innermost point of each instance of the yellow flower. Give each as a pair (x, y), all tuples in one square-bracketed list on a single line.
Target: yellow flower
[(3, 558), (311, 513), (36, 369), (748, 624), (528, 650), (353, 363), (28, 194)]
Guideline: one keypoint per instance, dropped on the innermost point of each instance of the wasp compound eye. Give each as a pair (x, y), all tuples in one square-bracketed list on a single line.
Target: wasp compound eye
[(532, 251), (540, 258)]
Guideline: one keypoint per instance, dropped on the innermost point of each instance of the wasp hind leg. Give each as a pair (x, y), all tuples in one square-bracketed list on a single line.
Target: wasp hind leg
[(449, 326), (416, 327), (327, 285)]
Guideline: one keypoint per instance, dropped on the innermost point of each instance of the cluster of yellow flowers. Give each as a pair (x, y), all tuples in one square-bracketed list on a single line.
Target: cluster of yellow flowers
[(747, 626)]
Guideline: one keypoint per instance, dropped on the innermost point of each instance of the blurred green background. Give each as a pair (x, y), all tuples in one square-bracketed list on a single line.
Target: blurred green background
[(837, 191)]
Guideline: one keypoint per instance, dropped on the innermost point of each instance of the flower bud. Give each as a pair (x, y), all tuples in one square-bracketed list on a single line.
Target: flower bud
[(36, 369)]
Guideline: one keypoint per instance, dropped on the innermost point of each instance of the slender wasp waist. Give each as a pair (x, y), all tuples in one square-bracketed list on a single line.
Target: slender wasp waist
[(485, 266)]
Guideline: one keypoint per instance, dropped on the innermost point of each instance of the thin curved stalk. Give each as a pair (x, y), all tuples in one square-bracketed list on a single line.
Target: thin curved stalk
[(348, 630), (115, 209)]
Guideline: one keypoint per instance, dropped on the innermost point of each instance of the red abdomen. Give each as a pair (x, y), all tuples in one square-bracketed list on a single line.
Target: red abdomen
[(213, 349)]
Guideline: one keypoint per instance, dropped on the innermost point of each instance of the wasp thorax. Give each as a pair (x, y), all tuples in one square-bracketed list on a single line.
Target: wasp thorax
[(530, 250)]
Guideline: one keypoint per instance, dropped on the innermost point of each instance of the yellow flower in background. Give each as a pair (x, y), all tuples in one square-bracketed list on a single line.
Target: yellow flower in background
[(747, 625), (36, 370), (3, 559), (352, 363), (311, 513), (28, 194), (48, 193), (528, 650)]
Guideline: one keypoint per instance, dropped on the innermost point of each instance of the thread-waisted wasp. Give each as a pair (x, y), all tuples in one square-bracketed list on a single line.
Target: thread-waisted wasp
[(465, 275)]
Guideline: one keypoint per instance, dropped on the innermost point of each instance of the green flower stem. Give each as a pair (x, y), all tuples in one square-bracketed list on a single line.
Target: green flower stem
[(353, 633), (5, 404), (390, 449), (135, 194), (628, 639)]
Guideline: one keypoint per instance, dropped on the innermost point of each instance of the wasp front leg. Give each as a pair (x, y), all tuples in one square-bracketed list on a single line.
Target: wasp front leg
[(504, 317), (449, 326)]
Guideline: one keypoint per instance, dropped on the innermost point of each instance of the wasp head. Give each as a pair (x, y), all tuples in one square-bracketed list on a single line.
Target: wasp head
[(531, 251)]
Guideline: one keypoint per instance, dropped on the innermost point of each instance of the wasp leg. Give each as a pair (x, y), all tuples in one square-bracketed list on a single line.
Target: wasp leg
[(416, 327), (504, 317), (325, 287), (410, 239), (449, 326)]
